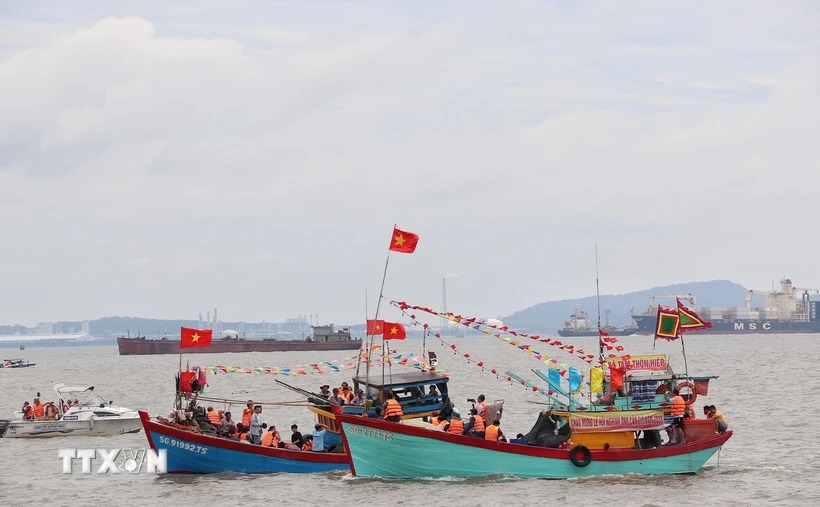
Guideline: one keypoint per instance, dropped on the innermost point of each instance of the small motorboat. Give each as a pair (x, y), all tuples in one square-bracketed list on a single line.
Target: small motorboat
[(78, 411), (16, 363)]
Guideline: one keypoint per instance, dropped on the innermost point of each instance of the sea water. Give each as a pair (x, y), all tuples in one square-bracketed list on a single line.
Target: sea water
[(768, 390)]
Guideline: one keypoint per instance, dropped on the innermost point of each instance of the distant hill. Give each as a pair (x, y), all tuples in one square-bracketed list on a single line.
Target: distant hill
[(549, 317), (545, 317)]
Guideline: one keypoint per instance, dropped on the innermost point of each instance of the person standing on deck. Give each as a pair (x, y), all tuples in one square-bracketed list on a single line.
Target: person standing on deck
[(255, 436), (247, 413)]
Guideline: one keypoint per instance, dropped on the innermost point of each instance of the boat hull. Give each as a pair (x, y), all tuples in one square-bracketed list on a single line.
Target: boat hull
[(42, 429), (381, 449), (139, 346), (189, 452)]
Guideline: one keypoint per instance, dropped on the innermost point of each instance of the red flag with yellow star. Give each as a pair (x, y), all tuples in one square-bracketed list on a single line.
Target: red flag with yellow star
[(403, 241), (375, 327), (192, 338), (394, 331)]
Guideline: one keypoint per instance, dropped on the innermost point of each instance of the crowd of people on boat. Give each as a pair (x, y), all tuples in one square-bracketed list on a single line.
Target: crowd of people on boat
[(680, 412), (479, 423), (37, 411), (251, 430)]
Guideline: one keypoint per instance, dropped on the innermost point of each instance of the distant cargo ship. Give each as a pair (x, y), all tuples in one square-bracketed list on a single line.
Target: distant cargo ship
[(324, 338), (579, 325), (788, 310)]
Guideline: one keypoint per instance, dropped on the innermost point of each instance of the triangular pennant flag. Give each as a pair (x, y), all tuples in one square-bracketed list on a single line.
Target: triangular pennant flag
[(689, 320)]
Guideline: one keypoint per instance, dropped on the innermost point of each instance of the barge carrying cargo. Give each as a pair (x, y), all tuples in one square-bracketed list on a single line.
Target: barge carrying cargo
[(324, 338)]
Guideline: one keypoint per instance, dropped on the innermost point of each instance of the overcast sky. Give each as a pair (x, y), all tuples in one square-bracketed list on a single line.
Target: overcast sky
[(162, 158)]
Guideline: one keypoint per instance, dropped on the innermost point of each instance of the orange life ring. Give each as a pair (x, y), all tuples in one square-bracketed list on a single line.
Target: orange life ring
[(691, 399)]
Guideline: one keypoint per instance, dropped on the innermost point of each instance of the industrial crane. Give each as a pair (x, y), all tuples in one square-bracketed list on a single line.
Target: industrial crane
[(786, 288)]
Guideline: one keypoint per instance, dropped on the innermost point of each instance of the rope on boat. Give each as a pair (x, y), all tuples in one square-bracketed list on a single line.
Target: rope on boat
[(245, 402)]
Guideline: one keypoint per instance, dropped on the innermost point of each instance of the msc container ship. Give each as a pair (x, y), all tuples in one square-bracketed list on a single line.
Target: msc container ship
[(324, 338), (788, 310)]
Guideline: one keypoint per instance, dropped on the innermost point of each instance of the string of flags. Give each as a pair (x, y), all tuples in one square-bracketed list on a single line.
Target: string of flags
[(324, 367), (557, 371), (608, 343)]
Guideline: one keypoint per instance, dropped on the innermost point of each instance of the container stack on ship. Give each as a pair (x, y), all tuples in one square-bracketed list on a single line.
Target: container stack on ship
[(788, 310)]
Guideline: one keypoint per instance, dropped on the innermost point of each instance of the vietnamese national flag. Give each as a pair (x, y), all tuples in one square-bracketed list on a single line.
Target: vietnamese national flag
[(403, 241), (394, 331), (192, 338), (375, 327)]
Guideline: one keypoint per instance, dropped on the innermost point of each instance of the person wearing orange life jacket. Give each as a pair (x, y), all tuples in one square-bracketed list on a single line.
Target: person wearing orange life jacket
[(481, 406), (247, 413), (27, 415), (270, 439), (242, 432), (38, 410), (392, 410), (456, 425), (493, 432), (435, 420), (677, 411), (475, 427), (213, 416)]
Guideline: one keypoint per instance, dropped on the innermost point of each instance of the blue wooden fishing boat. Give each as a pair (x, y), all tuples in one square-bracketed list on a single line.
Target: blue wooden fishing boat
[(189, 452)]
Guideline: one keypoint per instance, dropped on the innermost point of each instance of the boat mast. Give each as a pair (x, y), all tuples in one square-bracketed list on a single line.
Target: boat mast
[(598, 302)]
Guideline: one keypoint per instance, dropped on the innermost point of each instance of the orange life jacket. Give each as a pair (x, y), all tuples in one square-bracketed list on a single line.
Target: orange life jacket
[(267, 439), (491, 433), (678, 406), (243, 436), (213, 417), (478, 425), (38, 410), (456, 426), (246, 417), (393, 409), (482, 413), (307, 446)]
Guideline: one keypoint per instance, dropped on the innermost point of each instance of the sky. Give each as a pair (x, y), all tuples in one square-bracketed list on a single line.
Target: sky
[(163, 158)]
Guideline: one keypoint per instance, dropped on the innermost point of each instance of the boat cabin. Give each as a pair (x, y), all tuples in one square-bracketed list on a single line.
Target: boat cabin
[(411, 389), (632, 415)]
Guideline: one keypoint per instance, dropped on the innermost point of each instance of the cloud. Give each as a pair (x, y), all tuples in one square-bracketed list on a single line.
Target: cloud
[(253, 158)]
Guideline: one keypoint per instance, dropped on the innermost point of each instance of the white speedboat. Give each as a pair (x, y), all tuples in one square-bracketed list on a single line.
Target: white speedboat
[(16, 363), (78, 412)]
